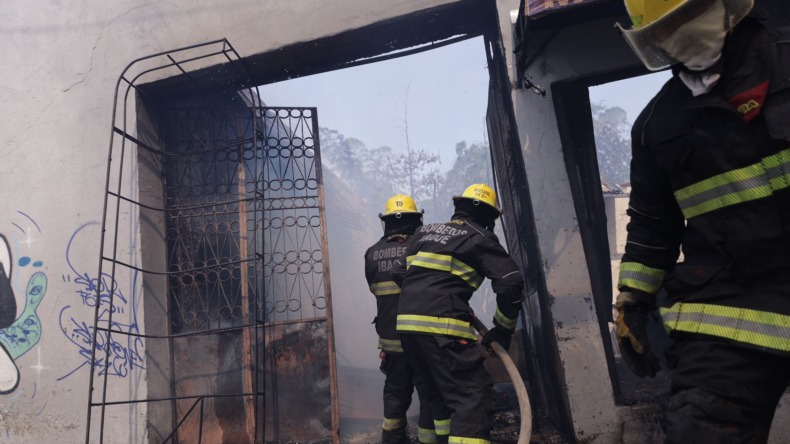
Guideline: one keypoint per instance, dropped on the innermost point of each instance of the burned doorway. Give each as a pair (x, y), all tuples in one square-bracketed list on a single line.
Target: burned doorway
[(537, 335), (227, 199), (595, 114), (390, 127), (359, 173)]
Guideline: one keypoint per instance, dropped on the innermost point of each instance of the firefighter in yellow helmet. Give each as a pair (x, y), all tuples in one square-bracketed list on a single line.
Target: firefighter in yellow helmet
[(710, 174), (400, 219), (446, 263)]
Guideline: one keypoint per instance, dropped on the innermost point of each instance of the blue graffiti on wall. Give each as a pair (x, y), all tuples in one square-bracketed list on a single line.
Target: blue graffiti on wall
[(116, 355), (18, 334)]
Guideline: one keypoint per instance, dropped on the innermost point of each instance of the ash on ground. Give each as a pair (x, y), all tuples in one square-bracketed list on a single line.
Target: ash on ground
[(507, 424)]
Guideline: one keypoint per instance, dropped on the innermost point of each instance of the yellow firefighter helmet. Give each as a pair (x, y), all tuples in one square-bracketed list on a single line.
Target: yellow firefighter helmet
[(480, 192), (645, 12), (399, 204), (654, 20)]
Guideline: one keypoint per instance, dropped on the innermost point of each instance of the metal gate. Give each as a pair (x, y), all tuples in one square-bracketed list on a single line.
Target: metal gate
[(245, 352), (247, 248)]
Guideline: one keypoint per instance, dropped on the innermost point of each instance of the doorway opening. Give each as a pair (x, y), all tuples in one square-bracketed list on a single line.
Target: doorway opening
[(411, 125), (595, 116)]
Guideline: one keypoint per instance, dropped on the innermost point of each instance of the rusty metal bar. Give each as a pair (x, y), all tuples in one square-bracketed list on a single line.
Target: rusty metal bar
[(330, 337), (246, 343)]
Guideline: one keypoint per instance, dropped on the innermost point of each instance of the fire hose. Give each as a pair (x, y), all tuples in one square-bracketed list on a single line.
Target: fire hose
[(518, 384)]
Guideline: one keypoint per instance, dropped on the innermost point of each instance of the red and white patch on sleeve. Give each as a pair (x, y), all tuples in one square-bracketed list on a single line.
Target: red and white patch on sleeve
[(750, 102)]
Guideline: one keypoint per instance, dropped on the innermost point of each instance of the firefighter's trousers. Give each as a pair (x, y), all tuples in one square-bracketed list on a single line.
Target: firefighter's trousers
[(722, 393), (455, 369), (398, 387)]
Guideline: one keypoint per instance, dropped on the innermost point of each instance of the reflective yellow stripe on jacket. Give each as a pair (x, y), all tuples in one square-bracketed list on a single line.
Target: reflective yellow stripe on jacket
[(443, 262), (390, 345), (504, 321), (761, 328), (640, 277), (436, 326), (385, 288), (745, 184)]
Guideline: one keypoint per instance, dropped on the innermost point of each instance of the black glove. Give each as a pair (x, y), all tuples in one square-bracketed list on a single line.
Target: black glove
[(498, 334), (632, 336)]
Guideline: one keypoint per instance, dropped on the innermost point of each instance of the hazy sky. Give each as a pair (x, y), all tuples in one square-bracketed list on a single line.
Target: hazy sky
[(441, 94), (630, 94)]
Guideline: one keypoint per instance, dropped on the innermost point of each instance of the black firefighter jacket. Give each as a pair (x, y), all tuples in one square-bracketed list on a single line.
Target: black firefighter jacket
[(712, 174), (446, 263), (379, 262)]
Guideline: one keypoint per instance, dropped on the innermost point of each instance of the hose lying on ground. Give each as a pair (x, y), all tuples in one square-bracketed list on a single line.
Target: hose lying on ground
[(518, 384)]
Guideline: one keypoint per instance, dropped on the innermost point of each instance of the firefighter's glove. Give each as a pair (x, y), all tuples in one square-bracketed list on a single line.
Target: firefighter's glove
[(632, 335), (498, 334)]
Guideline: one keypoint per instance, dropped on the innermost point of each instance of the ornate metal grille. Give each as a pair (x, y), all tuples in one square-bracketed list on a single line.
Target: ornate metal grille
[(244, 218), (246, 243), (213, 219), (293, 246)]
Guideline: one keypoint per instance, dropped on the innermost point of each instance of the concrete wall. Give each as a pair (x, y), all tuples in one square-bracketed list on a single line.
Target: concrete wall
[(60, 62), (59, 67), (572, 52)]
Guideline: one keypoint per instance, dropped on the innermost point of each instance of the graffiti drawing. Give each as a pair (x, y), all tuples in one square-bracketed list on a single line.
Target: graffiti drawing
[(9, 374), (25, 332), (18, 333), (114, 357)]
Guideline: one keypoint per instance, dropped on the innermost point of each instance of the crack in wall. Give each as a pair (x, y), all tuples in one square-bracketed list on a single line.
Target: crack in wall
[(96, 44)]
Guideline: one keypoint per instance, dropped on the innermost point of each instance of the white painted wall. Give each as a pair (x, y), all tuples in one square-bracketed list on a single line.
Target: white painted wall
[(60, 62)]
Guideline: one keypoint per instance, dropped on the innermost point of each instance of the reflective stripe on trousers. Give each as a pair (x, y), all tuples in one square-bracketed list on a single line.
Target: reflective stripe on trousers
[(426, 436), (393, 424), (442, 427), (462, 440)]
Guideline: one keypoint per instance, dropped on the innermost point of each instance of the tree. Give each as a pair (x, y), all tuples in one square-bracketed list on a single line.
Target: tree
[(380, 173), (472, 165), (415, 172), (613, 143), (340, 153)]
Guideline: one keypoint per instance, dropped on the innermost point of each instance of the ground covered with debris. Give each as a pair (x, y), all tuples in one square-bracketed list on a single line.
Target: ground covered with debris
[(507, 424)]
